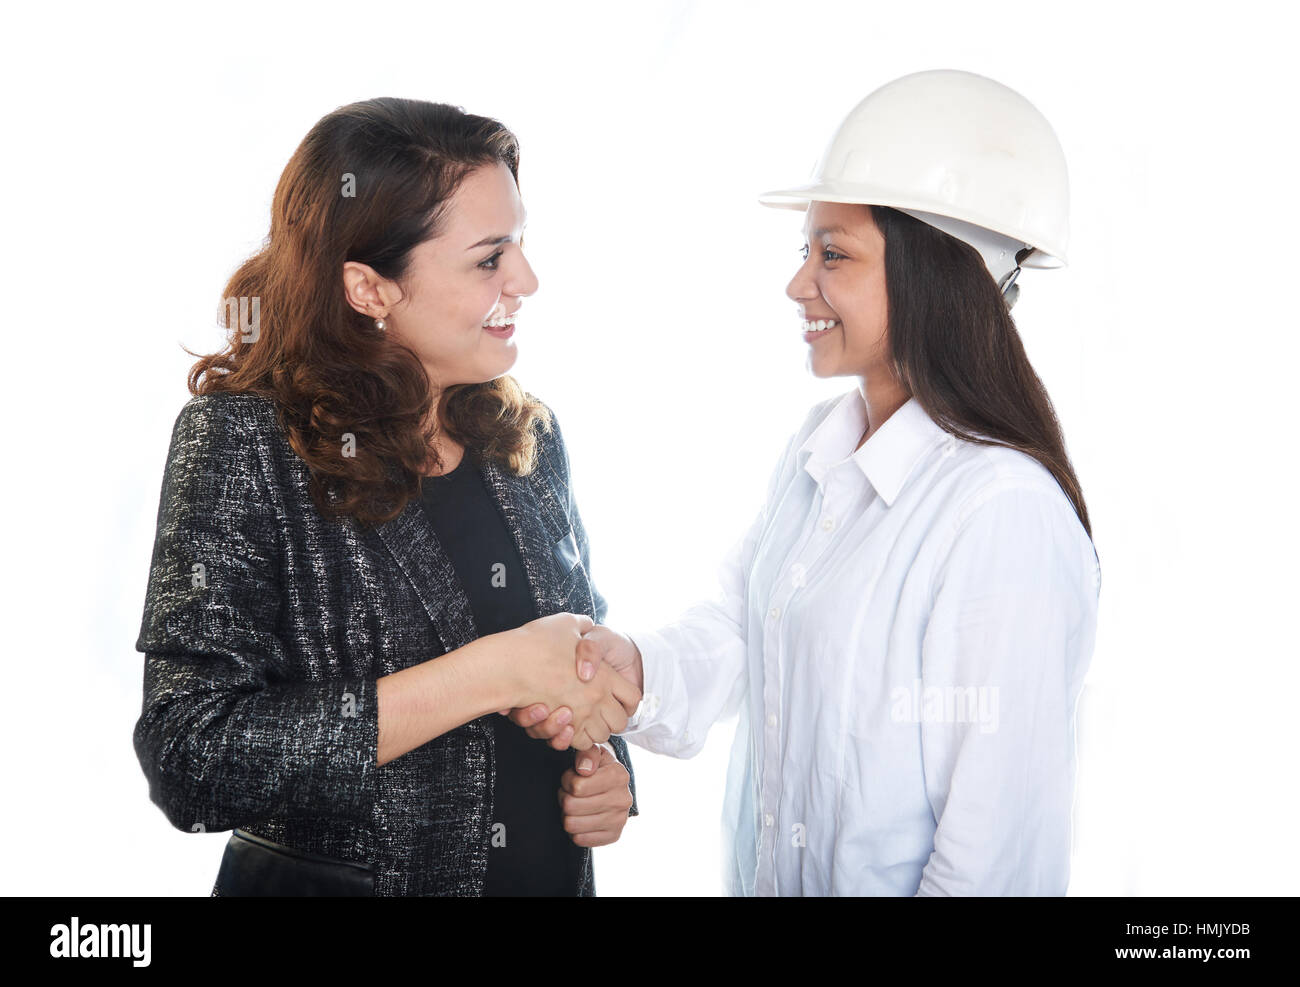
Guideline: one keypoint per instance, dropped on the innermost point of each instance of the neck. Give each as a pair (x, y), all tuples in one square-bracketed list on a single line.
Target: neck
[(437, 393), (883, 395), (441, 442)]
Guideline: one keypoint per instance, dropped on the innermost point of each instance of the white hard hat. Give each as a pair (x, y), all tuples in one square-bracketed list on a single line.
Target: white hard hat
[(960, 152)]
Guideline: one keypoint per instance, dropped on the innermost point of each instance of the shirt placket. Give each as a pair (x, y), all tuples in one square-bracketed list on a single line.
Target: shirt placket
[(820, 525)]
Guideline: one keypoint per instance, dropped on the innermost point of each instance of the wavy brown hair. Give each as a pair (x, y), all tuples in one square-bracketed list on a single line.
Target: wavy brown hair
[(956, 349), (326, 366)]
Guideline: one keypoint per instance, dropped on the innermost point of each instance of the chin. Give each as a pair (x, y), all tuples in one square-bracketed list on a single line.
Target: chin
[(502, 367), (823, 368)]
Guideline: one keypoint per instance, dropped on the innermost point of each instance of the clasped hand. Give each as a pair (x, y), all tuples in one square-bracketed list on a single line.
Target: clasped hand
[(546, 659)]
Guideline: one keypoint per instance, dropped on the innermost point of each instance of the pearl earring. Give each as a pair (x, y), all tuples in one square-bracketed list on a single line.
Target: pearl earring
[(381, 325)]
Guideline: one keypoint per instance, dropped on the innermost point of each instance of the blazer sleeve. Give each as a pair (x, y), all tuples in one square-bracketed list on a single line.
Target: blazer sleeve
[(600, 605), (225, 736)]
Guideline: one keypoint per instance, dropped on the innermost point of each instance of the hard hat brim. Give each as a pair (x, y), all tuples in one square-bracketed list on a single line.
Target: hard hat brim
[(1045, 256)]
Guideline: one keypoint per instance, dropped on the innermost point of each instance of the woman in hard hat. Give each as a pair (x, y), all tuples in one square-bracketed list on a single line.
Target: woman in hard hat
[(905, 627)]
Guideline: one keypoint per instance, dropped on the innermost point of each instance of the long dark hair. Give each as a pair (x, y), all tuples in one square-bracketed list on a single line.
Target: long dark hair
[(956, 349), (328, 368)]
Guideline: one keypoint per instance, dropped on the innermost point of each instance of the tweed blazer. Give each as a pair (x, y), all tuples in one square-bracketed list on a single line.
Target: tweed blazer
[(266, 626)]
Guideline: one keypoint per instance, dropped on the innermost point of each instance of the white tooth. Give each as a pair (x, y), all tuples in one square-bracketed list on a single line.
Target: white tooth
[(821, 325)]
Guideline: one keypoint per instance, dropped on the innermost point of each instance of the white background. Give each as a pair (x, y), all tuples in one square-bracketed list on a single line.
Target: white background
[(142, 148)]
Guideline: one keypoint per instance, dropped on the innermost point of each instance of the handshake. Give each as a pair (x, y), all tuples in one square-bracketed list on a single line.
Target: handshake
[(577, 682)]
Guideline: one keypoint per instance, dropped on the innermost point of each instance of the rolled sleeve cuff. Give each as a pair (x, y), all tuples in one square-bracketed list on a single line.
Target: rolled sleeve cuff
[(656, 671)]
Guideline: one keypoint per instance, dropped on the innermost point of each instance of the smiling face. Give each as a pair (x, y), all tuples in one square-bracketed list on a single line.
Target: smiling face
[(459, 284), (841, 284)]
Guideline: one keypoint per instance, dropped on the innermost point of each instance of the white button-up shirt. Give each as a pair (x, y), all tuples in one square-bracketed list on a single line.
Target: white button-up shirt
[(904, 632)]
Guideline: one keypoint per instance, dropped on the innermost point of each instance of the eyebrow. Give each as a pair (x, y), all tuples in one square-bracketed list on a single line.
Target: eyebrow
[(492, 241), (822, 231)]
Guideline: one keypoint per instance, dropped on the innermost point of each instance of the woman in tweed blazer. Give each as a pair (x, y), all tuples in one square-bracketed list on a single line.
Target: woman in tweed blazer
[(314, 677)]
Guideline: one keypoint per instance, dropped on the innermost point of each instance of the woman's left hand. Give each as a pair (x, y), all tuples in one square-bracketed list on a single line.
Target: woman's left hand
[(595, 801)]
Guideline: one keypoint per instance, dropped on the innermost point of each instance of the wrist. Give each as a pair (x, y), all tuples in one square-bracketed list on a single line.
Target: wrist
[(495, 661), (636, 668)]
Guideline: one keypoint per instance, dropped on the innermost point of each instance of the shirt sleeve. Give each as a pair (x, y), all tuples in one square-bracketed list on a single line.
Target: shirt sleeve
[(695, 669), (1003, 658), (224, 737)]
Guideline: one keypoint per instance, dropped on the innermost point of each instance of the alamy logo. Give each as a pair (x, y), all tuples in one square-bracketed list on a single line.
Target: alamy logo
[(101, 941), (946, 704)]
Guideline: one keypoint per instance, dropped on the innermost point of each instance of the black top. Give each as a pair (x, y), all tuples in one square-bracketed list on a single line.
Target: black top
[(531, 853)]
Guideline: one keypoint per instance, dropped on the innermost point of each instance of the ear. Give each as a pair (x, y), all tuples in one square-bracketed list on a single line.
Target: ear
[(367, 291)]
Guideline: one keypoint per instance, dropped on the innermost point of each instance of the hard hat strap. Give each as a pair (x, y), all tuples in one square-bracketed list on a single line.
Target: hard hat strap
[(1010, 290), (1009, 280)]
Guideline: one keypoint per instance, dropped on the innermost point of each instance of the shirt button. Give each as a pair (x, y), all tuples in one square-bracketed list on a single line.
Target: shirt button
[(771, 719), (828, 524), (768, 820), (774, 612)]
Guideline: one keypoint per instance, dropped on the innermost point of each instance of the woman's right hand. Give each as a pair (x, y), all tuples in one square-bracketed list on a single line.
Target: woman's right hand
[(602, 649), (542, 669)]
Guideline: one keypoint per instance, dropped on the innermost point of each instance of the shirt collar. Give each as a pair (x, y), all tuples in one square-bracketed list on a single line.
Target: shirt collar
[(887, 458)]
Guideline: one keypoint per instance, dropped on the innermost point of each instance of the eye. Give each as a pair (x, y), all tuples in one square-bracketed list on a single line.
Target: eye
[(827, 254), (491, 263)]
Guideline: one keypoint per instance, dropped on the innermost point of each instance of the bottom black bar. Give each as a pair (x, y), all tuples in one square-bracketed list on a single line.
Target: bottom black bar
[(1229, 936)]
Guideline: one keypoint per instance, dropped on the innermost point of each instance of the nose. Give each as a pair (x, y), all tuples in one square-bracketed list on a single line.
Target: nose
[(802, 287), (523, 282)]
